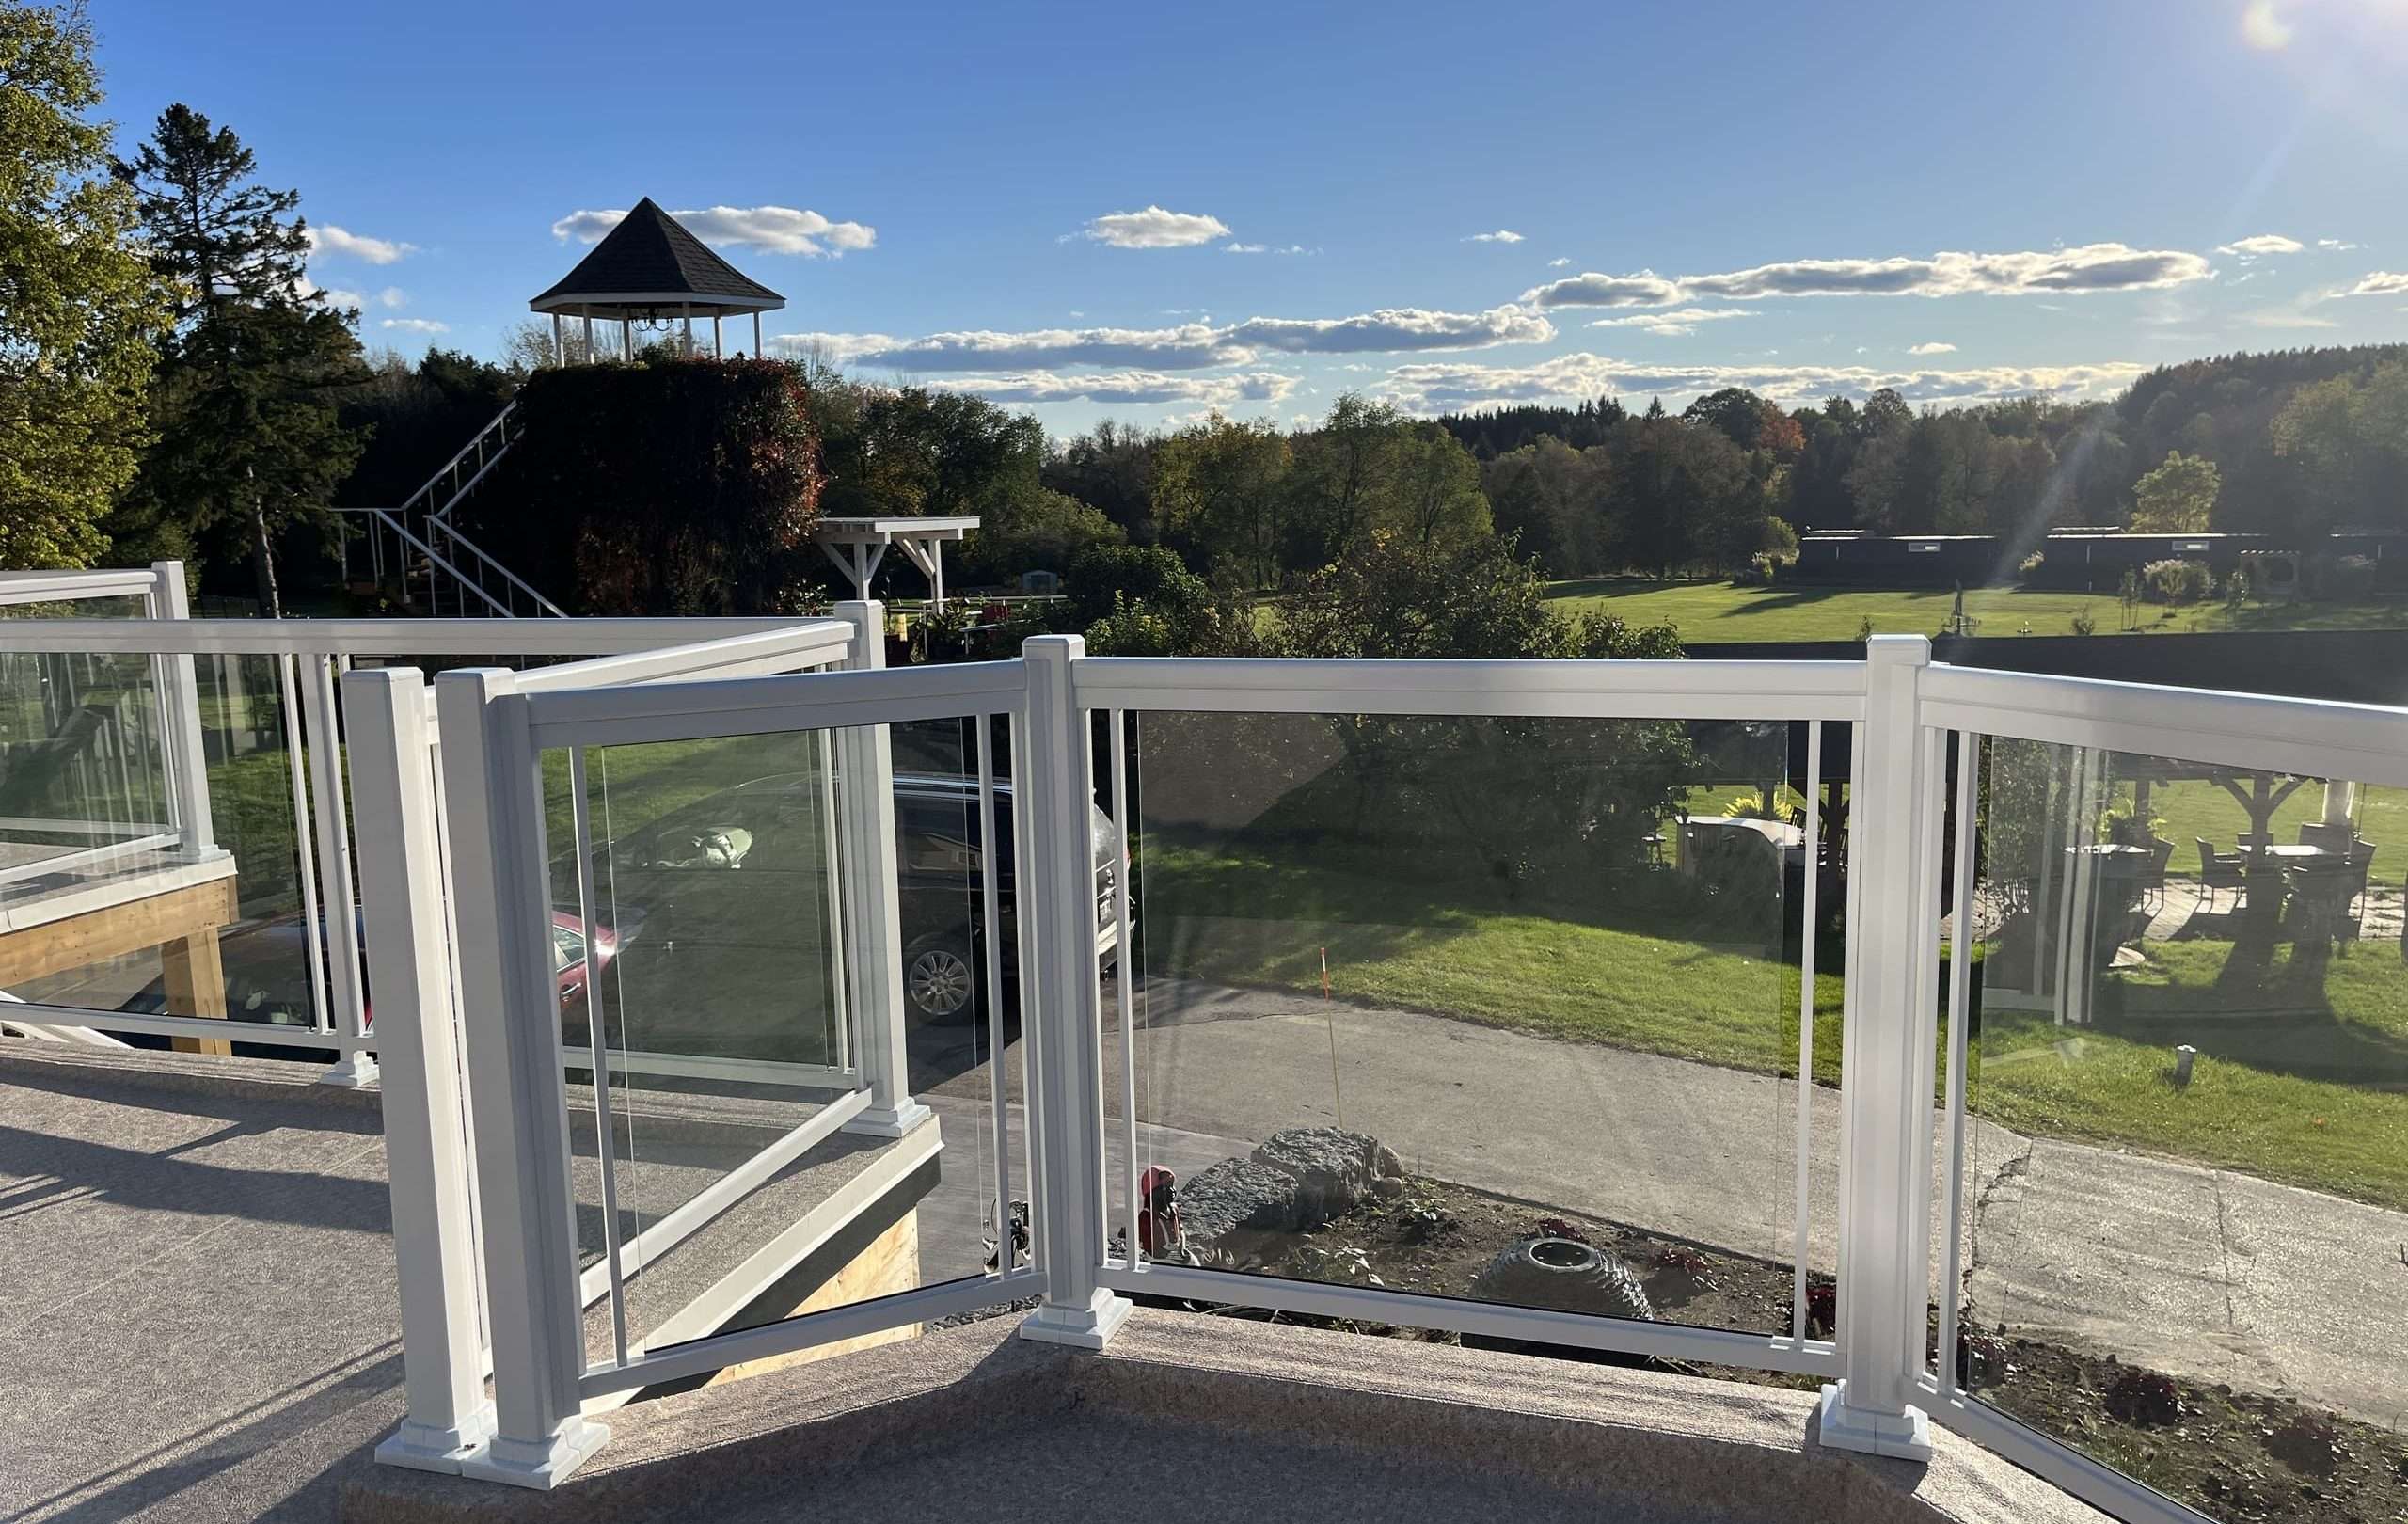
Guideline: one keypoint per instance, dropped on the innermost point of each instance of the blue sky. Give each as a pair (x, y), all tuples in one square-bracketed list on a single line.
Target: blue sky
[(1042, 203)]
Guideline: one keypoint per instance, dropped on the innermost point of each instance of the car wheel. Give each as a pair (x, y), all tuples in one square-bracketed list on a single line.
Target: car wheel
[(941, 980)]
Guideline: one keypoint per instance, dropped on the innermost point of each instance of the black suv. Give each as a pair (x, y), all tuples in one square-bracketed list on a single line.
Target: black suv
[(736, 954)]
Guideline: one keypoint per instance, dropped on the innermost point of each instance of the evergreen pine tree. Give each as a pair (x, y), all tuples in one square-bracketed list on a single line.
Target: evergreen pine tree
[(250, 442)]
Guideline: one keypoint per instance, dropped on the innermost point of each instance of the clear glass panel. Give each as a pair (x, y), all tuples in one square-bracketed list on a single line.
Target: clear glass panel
[(1478, 1007), (114, 902), (2187, 1152), (717, 895)]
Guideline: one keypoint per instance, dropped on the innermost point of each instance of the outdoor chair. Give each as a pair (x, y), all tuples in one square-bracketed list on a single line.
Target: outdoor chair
[(2152, 877), (2218, 874), (2331, 838), (2361, 870), (2322, 890)]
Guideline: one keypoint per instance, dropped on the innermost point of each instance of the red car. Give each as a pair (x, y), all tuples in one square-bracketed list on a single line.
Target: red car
[(268, 979)]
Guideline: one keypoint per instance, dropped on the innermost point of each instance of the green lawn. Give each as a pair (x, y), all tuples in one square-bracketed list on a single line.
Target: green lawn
[(2268, 1097), (1718, 611)]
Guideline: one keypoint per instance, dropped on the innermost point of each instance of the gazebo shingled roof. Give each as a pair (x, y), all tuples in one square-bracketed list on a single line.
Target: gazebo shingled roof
[(650, 265)]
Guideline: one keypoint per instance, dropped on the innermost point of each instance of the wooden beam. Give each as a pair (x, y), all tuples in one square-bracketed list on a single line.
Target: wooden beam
[(135, 926)]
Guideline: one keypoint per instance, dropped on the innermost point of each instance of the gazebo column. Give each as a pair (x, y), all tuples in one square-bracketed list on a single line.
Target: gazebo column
[(560, 346), (717, 348), (589, 336), (757, 336), (628, 339), (686, 311)]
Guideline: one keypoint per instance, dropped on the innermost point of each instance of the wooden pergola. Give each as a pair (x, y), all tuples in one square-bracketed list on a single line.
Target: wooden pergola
[(857, 546)]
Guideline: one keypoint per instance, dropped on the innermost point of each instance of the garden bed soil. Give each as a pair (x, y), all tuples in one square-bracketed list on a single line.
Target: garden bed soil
[(2241, 1457)]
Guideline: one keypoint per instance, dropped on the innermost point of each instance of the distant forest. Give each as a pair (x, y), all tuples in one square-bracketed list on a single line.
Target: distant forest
[(2293, 444)]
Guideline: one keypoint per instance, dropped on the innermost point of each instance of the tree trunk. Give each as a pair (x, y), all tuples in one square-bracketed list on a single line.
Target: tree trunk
[(264, 557)]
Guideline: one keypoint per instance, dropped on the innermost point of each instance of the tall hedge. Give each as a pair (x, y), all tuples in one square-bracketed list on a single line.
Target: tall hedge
[(670, 486)]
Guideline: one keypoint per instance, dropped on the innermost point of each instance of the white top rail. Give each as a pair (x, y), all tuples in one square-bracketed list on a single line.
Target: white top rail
[(2312, 738), (1610, 690), (386, 637), (18, 587), (810, 642), (768, 706)]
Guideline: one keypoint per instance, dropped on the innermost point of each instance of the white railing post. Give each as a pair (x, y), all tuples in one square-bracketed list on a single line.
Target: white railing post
[(186, 760), (426, 1161), (1886, 1070), (493, 790), (338, 888), (872, 924), (1063, 1003)]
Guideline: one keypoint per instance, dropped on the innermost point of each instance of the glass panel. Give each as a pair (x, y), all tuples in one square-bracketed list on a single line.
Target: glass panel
[(1478, 1007), (111, 904), (719, 972), (2187, 1154)]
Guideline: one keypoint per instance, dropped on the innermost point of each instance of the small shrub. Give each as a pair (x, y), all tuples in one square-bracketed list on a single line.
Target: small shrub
[(1762, 570), (2176, 582), (2084, 623), (1865, 627), (2141, 1397), (2307, 1444), (2349, 580)]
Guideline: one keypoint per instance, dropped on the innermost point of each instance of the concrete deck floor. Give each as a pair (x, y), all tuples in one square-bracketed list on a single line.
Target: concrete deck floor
[(199, 1304)]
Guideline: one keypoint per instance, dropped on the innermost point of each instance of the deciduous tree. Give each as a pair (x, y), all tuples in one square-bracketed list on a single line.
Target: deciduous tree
[(78, 309)]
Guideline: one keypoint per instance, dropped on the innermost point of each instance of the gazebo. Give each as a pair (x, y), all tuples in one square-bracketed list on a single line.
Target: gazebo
[(650, 269)]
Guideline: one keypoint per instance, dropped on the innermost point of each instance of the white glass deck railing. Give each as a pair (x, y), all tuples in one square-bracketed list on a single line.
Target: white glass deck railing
[(176, 835), (1572, 948), (2017, 1054)]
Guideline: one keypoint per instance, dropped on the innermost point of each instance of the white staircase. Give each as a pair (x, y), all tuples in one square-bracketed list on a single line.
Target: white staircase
[(417, 554)]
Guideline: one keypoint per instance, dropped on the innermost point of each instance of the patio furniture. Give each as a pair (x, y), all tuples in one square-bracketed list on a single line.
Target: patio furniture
[(2218, 873), (2322, 889), (2152, 876), (2326, 835)]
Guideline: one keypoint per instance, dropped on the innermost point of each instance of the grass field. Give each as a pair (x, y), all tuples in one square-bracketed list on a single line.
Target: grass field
[(2311, 1090), (1718, 611)]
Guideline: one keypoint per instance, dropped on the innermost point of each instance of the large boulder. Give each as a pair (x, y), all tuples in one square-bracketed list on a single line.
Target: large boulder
[(1296, 1179), (1333, 1169), (1236, 1196)]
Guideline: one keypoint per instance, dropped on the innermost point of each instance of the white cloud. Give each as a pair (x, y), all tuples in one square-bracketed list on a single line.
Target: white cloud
[(2261, 244), (1395, 328), (1559, 263), (328, 239), (771, 229), (1266, 248), (1933, 347), (1189, 346), (1127, 387), (1434, 387), (336, 296), (2088, 267), (2335, 245), (1502, 235), (1645, 289), (1680, 321), (2262, 29), (1155, 228), (414, 325), (2380, 283)]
